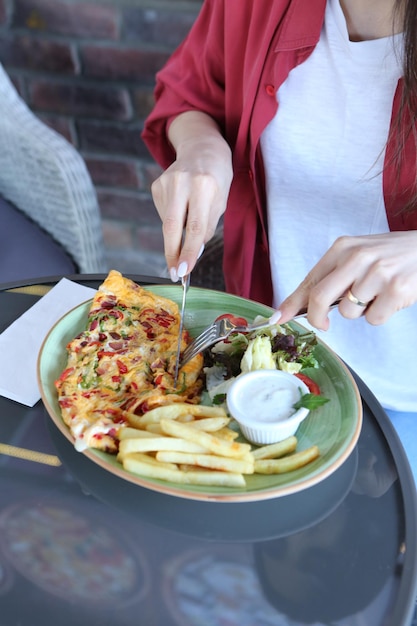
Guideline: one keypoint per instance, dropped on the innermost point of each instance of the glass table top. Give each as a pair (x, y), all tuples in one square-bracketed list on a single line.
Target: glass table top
[(82, 546)]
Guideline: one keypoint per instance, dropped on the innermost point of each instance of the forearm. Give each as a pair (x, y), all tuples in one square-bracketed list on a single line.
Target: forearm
[(196, 131)]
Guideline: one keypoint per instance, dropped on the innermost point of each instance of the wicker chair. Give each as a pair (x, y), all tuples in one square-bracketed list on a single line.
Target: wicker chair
[(43, 176)]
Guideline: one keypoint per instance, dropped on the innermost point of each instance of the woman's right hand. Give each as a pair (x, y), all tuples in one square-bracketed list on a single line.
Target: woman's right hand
[(191, 195)]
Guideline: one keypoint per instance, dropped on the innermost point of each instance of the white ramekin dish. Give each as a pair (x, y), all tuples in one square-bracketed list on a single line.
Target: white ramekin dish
[(262, 403)]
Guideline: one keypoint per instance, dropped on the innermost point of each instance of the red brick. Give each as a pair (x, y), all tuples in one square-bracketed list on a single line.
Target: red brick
[(143, 102), (151, 172), (149, 238), (71, 19), (18, 82), (111, 138), (116, 234), (61, 125), (121, 63), (81, 100), (158, 26), (3, 12), (31, 53), (128, 206), (134, 262), (113, 173)]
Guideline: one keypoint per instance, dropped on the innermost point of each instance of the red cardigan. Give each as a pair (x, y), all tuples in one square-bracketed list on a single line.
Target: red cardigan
[(230, 66)]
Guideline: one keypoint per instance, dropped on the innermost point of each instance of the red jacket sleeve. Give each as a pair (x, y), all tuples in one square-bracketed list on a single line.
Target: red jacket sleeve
[(192, 79)]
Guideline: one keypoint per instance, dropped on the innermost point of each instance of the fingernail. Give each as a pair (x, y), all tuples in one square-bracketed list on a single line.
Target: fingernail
[(182, 269), (275, 317), (201, 251), (173, 275)]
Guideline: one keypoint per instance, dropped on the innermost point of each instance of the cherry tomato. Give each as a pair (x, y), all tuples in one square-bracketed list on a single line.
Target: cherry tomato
[(240, 321), (311, 384)]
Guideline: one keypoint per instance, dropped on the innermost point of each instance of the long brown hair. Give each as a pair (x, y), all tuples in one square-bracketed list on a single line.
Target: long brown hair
[(406, 11), (405, 15)]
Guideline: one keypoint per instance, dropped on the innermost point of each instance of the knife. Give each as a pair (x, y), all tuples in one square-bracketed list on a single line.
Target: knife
[(185, 284)]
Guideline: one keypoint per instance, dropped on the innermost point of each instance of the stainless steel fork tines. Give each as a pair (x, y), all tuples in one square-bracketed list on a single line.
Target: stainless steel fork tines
[(217, 331)]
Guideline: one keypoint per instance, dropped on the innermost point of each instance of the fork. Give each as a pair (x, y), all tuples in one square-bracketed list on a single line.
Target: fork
[(221, 328)]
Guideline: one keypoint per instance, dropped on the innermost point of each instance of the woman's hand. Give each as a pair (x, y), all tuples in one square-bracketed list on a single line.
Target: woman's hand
[(192, 193), (380, 271)]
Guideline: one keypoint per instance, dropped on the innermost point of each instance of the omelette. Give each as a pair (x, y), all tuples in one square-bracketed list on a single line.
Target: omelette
[(123, 364)]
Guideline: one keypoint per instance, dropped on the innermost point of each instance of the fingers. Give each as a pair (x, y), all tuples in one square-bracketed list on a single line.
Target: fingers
[(316, 293), (294, 303), (200, 224), (388, 298), (352, 306), (317, 312), (379, 271), (339, 272), (191, 194), (373, 296), (374, 275), (170, 197), (190, 207)]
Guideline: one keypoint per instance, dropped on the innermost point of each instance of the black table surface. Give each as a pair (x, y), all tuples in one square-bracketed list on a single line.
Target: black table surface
[(79, 545)]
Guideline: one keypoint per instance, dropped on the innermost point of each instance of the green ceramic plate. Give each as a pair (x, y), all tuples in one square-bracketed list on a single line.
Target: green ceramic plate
[(334, 427)]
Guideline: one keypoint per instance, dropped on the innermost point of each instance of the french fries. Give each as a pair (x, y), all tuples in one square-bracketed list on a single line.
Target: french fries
[(164, 471), (210, 424), (153, 444), (227, 433), (288, 463), (141, 457), (196, 445), (276, 450), (135, 433), (212, 443), (211, 461), (175, 411)]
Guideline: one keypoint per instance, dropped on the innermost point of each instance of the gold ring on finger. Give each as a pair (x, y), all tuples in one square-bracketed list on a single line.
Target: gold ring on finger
[(355, 300)]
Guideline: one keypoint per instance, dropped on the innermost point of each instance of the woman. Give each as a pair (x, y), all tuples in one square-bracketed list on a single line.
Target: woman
[(300, 119)]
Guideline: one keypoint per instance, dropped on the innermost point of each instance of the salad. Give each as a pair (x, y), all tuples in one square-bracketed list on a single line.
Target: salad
[(275, 347)]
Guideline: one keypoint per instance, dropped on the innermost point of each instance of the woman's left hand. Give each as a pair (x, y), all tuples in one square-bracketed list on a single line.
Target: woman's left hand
[(375, 274)]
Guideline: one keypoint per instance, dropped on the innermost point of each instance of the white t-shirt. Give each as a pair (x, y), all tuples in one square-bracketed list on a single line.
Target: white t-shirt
[(323, 154)]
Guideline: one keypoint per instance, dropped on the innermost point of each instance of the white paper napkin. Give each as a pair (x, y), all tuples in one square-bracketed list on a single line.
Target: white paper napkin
[(21, 341)]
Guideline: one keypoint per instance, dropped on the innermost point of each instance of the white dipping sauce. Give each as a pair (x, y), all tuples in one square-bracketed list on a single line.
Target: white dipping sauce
[(271, 401), (262, 402)]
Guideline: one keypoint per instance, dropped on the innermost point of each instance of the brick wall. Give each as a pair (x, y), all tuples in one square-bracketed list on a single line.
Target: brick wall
[(87, 69)]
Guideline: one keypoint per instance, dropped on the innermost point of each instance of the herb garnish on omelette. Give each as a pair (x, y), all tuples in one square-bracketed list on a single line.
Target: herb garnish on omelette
[(123, 363)]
